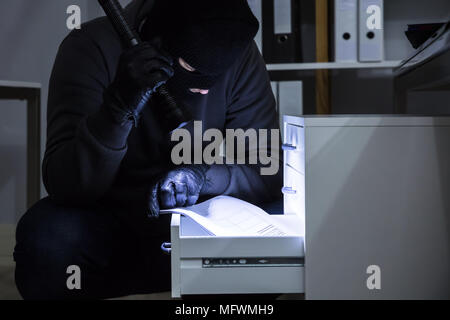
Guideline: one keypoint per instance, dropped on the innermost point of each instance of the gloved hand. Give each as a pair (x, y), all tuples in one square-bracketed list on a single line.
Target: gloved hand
[(180, 187), (142, 69)]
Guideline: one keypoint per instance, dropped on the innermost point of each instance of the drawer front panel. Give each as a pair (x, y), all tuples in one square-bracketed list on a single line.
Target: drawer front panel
[(293, 192), (197, 280), (294, 147)]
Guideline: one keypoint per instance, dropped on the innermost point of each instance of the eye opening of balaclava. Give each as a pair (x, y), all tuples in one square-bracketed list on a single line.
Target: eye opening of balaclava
[(209, 35)]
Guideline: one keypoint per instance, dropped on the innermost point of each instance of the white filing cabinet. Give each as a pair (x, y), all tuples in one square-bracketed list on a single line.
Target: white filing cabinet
[(205, 264), (363, 191), (377, 193)]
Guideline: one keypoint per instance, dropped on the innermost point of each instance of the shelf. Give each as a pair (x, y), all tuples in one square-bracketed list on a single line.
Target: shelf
[(333, 65), (19, 84)]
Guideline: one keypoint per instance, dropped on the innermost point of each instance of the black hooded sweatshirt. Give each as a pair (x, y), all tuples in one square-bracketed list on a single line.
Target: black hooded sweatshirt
[(90, 160)]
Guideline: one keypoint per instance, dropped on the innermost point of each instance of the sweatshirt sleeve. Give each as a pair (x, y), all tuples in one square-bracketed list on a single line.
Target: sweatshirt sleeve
[(84, 146), (251, 105)]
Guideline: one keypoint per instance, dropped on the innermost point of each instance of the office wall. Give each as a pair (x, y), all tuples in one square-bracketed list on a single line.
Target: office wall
[(30, 32)]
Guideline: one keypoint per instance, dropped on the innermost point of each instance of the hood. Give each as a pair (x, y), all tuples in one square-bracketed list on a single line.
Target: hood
[(138, 10)]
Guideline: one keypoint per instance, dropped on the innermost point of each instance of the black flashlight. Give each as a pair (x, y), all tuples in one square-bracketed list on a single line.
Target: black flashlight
[(174, 115)]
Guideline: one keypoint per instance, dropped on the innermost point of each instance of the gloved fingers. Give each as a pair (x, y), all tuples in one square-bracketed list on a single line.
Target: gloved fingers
[(167, 195), (155, 80), (181, 193), (193, 191), (191, 200), (140, 52), (167, 55), (153, 202), (181, 187), (157, 42), (156, 65), (193, 185), (154, 53), (144, 52)]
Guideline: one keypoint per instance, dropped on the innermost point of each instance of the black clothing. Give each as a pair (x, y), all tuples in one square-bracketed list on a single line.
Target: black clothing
[(113, 261), (89, 158), (141, 71), (99, 174), (209, 35)]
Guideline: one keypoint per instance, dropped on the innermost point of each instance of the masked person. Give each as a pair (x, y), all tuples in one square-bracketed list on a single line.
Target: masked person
[(107, 166)]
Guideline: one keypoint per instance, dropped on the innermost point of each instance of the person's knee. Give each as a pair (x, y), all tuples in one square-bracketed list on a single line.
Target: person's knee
[(47, 229), (48, 238)]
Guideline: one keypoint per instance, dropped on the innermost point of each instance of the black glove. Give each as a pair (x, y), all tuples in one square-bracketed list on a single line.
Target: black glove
[(180, 187), (142, 69)]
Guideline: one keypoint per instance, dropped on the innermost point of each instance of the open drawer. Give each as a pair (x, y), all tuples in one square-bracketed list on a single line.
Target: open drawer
[(205, 264)]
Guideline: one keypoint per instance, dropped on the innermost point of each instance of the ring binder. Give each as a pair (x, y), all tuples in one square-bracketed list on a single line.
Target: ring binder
[(281, 31), (371, 30), (346, 30)]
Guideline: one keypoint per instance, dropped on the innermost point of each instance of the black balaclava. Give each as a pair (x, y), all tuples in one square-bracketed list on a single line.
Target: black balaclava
[(210, 35)]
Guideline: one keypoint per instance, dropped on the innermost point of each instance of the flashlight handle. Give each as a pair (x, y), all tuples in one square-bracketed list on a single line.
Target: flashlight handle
[(174, 115)]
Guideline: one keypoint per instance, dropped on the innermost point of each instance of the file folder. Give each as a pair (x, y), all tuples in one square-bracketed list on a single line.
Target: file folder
[(346, 30), (371, 30), (281, 31)]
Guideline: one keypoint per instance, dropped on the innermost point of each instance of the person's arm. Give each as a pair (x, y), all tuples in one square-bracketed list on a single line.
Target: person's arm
[(90, 113), (251, 106), (80, 161)]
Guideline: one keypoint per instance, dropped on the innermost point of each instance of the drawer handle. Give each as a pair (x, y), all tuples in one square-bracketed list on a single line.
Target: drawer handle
[(288, 147), (166, 247), (288, 190)]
